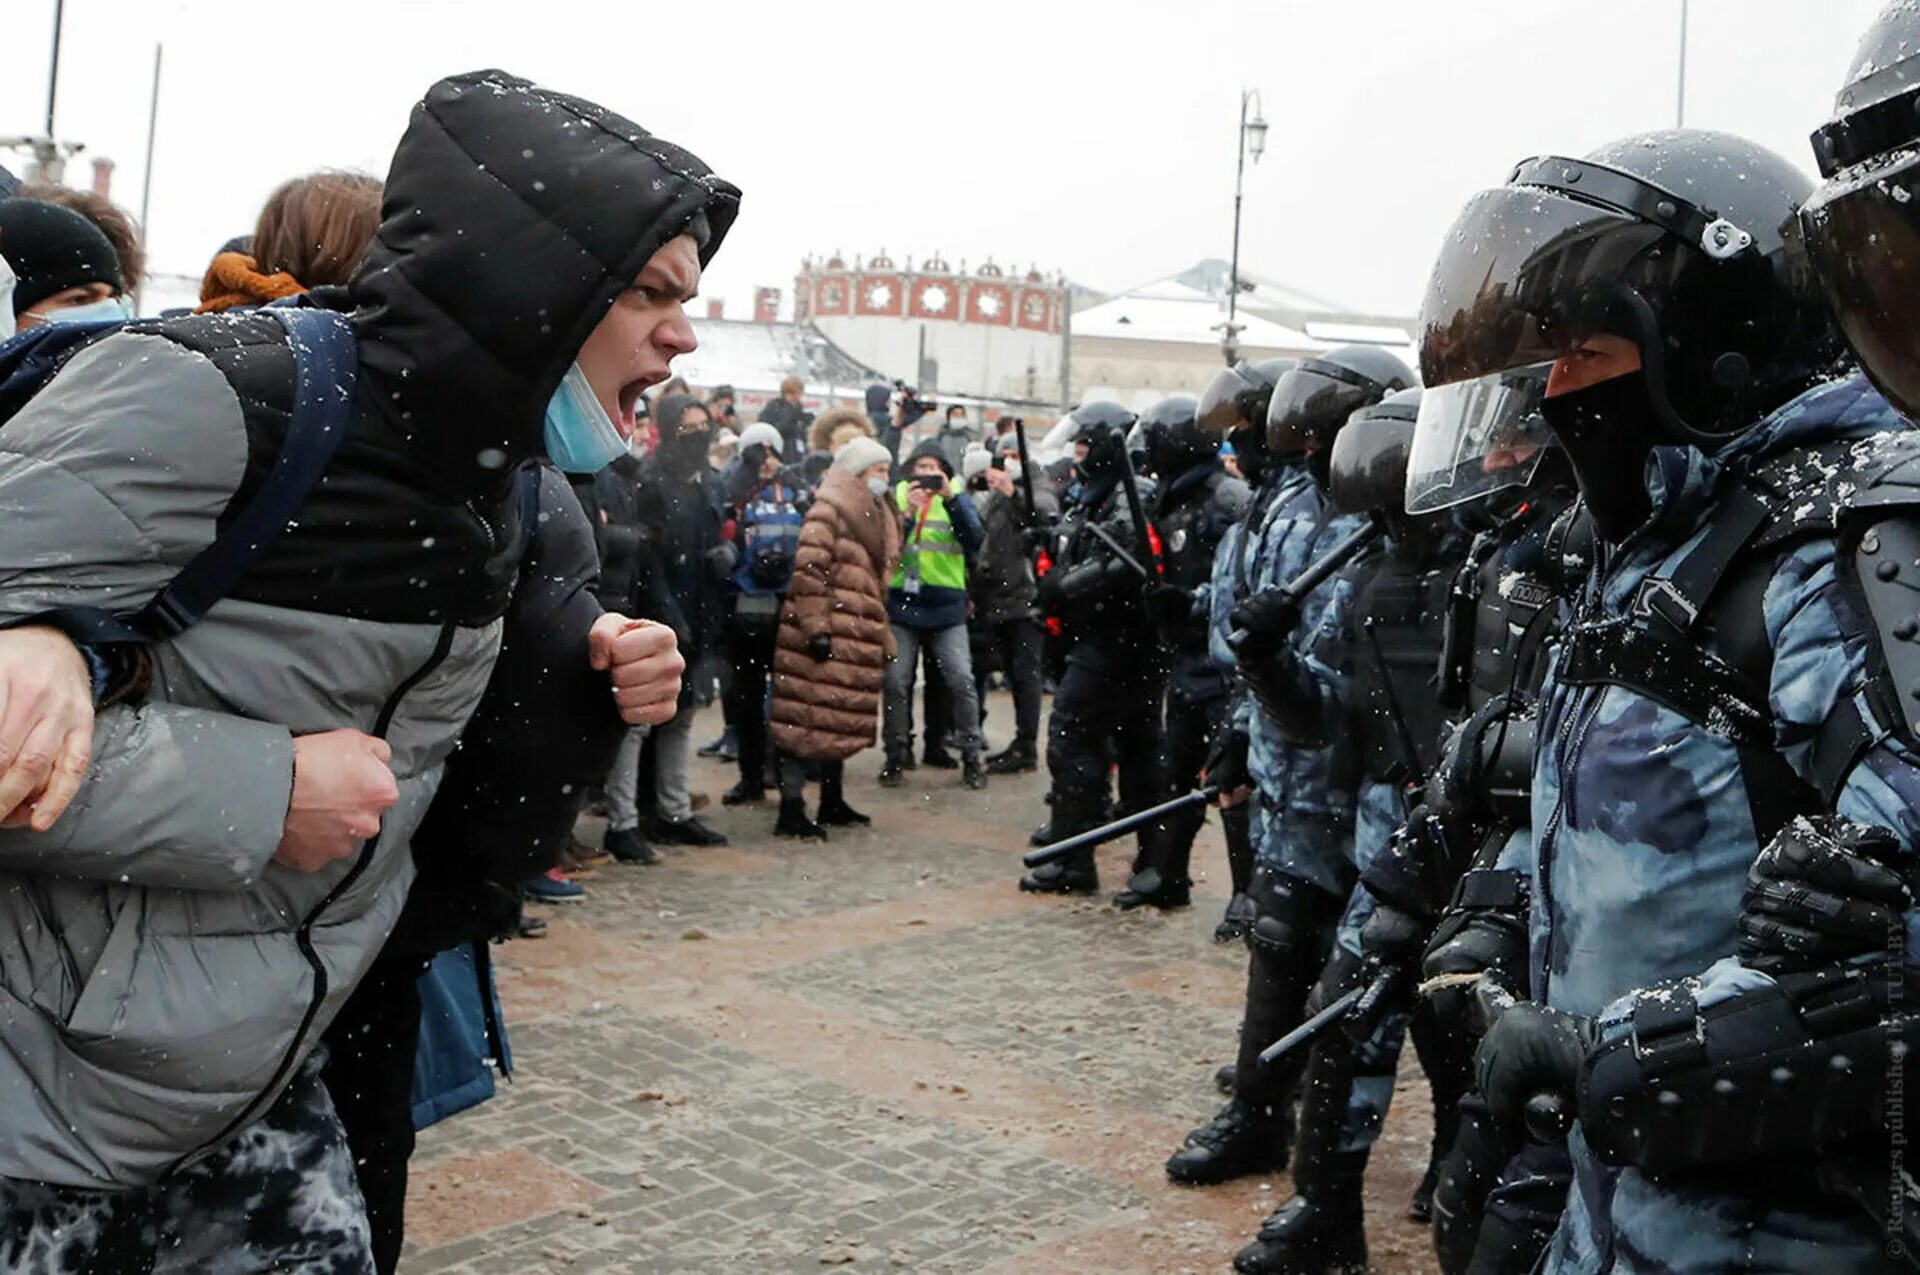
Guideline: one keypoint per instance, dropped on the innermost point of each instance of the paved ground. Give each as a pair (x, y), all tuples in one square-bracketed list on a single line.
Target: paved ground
[(872, 1054)]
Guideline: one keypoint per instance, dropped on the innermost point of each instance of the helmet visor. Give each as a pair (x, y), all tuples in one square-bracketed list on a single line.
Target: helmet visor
[(1309, 405), (1525, 276), (1219, 411), (1477, 437), (1367, 469), (1862, 234)]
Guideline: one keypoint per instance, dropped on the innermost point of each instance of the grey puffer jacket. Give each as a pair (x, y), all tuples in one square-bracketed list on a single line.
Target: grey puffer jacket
[(160, 977)]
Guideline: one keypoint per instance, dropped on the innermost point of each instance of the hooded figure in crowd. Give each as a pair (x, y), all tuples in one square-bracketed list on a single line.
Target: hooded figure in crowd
[(164, 991)]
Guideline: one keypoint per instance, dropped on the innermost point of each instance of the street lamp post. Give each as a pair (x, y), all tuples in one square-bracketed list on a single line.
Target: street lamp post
[(1252, 138)]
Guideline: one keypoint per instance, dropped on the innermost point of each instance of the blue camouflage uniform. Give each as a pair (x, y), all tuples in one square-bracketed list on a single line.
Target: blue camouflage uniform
[(1303, 815), (1644, 839)]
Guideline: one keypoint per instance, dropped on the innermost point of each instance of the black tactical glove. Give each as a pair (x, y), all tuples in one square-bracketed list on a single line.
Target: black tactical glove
[(1268, 618), (1169, 606), (1392, 938), (1226, 764), (1821, 892), (820, 646), (1530, 1050)]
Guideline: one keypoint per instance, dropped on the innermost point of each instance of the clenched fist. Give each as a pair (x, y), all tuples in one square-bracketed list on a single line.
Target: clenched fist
[(342, 784), (643, 661), (46, 725)]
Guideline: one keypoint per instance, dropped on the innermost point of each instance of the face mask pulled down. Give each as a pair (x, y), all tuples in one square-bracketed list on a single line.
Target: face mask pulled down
[(581, 438)]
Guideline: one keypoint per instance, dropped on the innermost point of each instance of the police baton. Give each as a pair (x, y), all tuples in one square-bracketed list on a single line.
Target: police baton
[(1119, 827), (1354, 1002), (1026, 468), (1316, 574)]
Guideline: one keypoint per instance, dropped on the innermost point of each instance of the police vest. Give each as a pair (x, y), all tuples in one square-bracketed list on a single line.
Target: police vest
[(932, 551), (1398, 611)]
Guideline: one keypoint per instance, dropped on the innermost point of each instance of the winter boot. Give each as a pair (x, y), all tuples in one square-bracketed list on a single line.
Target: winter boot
[(936, 757), (834, 810), (1224, 1078), (628, 846), (1018, 758), (1146, 889), (972, 773), (793, 821), (893, 773), (1236, 921), (743, 794)]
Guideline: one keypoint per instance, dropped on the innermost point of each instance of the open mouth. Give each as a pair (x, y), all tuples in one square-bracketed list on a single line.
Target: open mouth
[(630, 399)]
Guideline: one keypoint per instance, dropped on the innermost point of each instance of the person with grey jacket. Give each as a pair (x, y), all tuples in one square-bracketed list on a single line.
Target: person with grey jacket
[(174, 943)]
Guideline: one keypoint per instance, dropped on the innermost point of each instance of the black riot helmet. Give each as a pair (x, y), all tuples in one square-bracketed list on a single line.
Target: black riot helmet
[(1367, 464), (1682, 243), (1103, 427), (1862, 228), (1312, 401), (1172, 439)]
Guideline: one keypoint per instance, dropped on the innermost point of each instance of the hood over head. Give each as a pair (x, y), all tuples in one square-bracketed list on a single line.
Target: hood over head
[(929, 449), (513, 218)]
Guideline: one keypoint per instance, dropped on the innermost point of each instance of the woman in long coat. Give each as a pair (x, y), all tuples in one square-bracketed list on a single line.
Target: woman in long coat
[(830, 663)]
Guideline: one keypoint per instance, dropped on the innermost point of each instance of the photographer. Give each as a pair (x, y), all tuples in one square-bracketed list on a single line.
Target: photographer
[(1003, 588), (928, 607)]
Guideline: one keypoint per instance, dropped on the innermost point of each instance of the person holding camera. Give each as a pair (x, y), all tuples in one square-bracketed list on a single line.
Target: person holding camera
[(927, 604), (1005, 594)]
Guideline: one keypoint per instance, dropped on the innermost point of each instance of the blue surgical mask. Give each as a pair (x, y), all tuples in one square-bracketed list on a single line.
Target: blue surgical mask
[(581, 438), (105, 310)]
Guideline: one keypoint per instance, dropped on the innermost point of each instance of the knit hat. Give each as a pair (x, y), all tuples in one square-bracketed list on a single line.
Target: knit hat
[(762, 433), (930, 450), (975, 462), (52, 249), (860, 455)]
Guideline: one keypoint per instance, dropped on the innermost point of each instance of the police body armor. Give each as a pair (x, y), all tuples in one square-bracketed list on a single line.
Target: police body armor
[(1092, 589), (1190, 532), (1398, 607)]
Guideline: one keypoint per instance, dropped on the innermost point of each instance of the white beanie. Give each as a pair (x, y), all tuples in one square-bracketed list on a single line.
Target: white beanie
[(860, 455), (974, 462), (760, 432)]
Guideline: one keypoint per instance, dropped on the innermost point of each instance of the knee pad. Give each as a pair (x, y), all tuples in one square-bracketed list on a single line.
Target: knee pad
[(1293, 919)]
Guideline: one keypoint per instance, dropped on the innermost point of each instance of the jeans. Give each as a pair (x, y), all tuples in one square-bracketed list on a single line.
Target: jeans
[(672, 754), (750, 652), (951, 654)]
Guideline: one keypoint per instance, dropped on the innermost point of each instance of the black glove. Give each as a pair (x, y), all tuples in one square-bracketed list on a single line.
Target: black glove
[(1391, 937), (820, 646), (1268, 617), (1226, 764), (1530, 1050), (1821, 892), (1169, 606), (722, 559)]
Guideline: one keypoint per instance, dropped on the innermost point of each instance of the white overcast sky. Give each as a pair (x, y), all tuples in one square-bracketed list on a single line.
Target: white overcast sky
[(1091, 138)]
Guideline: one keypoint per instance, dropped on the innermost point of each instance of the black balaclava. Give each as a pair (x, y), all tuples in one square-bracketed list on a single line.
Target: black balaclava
[(682, 453), (1608, 430)]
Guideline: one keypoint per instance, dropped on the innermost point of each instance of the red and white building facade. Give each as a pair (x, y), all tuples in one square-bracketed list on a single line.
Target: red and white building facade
[(983, 332)]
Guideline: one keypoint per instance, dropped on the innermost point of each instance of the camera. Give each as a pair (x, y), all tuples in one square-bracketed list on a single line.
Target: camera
[(911, 404), (935, 483)]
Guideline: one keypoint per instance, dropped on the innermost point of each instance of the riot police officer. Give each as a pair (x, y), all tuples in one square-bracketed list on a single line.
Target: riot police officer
[(1197, 502), (1303, 797), (1107, 705), (1731, 670), (1366, 673)]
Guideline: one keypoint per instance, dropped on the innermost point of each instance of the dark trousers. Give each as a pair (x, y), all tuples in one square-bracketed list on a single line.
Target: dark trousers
[(1192, 726), (369, 1071), (1016, 644), (750, 651), (1493, 1213), (1100, 714)]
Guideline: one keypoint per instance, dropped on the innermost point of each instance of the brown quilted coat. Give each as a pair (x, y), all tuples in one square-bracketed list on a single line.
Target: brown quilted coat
[(828, 710)]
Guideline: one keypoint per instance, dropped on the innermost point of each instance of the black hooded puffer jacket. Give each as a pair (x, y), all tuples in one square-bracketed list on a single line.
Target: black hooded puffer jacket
[(161, 977)]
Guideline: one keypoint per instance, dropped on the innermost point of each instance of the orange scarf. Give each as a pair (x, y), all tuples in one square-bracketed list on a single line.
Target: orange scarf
[(234, 279)]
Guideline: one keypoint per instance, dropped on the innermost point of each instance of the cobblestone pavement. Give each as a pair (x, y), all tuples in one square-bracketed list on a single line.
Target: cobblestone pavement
[(872, 1054)]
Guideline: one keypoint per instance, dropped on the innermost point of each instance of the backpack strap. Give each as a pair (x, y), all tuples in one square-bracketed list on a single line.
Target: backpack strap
[(325, 357)]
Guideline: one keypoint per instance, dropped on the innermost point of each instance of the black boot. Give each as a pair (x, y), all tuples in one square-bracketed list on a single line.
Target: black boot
[(1017, 758), (1071, 876), (1322, 1229), (936, 757), (1223, 1079), (893, 773), (1041, 836), (1236, 921), (793, 821), (628, 846), (1234, 823), (1159, 871), (743, 794), (1240, 1140), (834, 810), (1146, 889), (972, 773)]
